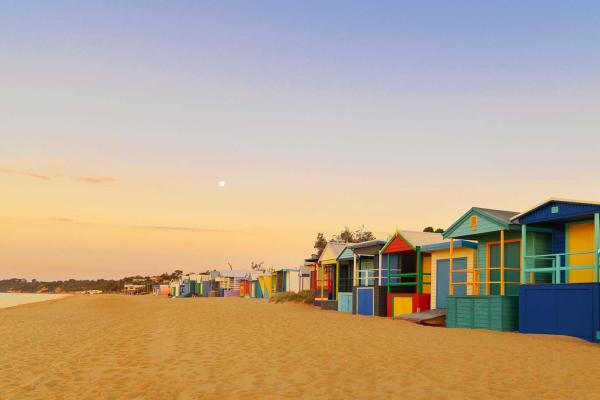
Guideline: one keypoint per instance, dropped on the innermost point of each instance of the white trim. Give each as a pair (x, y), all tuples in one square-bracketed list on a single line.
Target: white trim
[(380, 269)]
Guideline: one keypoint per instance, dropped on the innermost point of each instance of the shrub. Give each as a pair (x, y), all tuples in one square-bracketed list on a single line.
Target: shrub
[(306, 297)]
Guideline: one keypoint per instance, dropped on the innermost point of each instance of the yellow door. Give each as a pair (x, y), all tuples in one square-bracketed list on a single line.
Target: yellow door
[(581, 238), (427, 278), (402, 305)]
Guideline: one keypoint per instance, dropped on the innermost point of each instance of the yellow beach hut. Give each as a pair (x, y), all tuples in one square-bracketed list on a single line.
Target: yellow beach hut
[(464, 255), (327, 268)]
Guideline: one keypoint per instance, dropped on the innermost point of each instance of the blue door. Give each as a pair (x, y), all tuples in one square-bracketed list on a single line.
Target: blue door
[(443, 280), (345, 302), (364, 301)]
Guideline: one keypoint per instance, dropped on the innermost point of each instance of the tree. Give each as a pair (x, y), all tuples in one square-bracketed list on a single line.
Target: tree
[(345, 236), (439, 230), (257, 266), (428, 229), (363, 235), (320, 243)]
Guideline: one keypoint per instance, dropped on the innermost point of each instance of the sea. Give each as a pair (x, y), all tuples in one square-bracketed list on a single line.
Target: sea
[(16, 299)]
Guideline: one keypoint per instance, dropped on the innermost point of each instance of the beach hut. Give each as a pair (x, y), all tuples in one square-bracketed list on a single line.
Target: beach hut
[(464, 261), (560, 291), (345, 280), (207, 286), (246, 286), (187, 287), (311, 264), (201, 280), (258, 286), (305, 278), (175, 288), (161, 290), (408, 271), (266, 285), (494, 287), (368, 290), (287, 280), (229, 282), (325, 296)]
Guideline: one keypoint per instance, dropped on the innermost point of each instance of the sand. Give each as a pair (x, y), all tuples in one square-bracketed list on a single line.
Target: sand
[(17, 299), (143, 347)]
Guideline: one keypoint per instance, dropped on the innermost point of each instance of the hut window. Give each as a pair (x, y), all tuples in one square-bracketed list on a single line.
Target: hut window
[(474, 222)]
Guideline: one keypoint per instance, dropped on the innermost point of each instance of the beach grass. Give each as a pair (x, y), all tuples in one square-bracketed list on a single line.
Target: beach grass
[(306, 297)]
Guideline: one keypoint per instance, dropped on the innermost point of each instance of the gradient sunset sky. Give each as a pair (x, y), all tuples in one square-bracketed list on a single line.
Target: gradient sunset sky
[(118, 119)]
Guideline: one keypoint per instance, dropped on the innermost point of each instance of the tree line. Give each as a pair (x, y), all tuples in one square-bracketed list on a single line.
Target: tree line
[(349, 236), (77, 285)]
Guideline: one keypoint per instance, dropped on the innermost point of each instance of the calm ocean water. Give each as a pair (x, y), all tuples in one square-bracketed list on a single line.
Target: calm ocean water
[(15, 299)]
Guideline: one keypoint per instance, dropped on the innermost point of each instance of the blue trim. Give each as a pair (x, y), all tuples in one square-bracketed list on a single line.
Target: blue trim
[(446, 245)]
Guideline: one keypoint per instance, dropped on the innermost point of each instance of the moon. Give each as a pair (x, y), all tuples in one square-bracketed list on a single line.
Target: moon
[(221, 184)]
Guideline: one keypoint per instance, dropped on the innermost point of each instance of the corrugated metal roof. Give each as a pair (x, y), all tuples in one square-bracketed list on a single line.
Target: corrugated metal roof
[(332, 251), (346, 254), (240, 273), (417, 238), (368, 243), (502, 215)]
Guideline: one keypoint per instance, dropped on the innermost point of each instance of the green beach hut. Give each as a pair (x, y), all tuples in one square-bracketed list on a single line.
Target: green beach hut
[(494, 302)]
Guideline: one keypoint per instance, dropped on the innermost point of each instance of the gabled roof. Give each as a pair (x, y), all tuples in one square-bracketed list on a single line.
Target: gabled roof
[(555, 200), (368, 243), (500, 215), (346, 255), (352, 248), (236, 273), (332, 251), (501, 218), (414, 238)]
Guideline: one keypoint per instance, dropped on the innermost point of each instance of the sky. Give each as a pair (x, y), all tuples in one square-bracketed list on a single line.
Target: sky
[(118, 119)]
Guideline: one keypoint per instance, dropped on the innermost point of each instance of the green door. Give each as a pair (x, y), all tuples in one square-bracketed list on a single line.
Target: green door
[(512, 259)]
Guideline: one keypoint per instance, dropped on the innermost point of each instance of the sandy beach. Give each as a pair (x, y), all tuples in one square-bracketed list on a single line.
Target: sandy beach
[(143, 347), (17, 299)]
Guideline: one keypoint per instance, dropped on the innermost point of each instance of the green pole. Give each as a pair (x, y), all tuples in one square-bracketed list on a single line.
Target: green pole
[(419, 271), (388, 272), (596, 244), (523, 253)]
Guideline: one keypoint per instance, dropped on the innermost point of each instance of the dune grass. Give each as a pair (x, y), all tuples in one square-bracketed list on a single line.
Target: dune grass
[(306, 297)]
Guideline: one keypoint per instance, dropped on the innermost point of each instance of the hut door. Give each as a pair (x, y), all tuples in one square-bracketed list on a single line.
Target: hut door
[(443, 277), (512, 259), (580, 237), (367, 277), (364, 301)]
